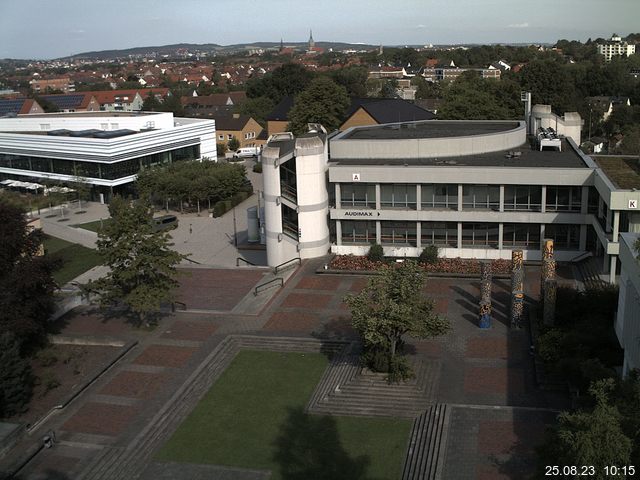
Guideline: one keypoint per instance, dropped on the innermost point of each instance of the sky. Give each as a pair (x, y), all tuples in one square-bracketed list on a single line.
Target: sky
[(44, 29)]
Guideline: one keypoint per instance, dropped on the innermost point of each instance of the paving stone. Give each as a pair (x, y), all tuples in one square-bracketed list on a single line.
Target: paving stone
[(305, 300), (165, 356), (134, 384), (320, 282), (101, 419), (292, 322), (190, 330)]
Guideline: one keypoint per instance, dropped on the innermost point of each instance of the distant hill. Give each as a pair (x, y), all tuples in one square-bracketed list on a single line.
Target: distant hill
[(207, 48)]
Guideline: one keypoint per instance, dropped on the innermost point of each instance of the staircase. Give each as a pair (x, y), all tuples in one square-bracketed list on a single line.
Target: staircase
[(589, 270), (427, 445)]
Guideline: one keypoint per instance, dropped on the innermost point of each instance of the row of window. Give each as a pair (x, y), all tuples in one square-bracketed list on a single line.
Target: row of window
[(106, 171), (445, 196), (445, 234)]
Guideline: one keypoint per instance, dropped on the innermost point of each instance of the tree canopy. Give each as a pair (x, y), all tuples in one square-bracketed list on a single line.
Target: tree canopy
[(26, 284), (392, 305), (323, 101), (142, 265), (288, 79)]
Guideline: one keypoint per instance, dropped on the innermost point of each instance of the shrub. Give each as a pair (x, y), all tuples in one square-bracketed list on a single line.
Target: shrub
[(238, 198), (257, 168), (221, 148), (218, 209), (549, 345), (429, 255), (376, 253), (46, 358), (49, 382)]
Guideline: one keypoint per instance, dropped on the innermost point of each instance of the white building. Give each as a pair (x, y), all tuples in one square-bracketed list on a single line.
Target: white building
[(615, 47), (628, 318), (475, 189), (105, 149)]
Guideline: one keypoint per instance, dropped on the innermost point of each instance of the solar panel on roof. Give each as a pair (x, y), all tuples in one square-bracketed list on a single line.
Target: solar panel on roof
[(84, 133), (65, 102), (11, 106), (114, 133)]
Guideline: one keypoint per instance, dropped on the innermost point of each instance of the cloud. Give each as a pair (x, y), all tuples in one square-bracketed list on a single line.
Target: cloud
[(421, 26), (519, 25), (78, 32)]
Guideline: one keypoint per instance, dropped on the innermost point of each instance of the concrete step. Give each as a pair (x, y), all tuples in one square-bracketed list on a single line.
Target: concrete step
[(425, 454)]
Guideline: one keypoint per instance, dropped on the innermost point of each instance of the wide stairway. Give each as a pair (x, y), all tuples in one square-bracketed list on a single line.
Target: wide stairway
[(589, 270), (425, 455)]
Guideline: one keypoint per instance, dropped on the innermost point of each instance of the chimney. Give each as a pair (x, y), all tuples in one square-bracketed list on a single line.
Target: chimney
[(236, 115)]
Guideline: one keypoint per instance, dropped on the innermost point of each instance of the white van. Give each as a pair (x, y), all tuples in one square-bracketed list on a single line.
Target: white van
[(247, 152)]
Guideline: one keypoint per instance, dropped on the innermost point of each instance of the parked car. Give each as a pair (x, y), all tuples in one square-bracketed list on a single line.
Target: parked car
[(165, 222)]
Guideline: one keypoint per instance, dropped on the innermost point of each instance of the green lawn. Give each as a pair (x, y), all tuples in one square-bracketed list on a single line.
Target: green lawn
[(93, 226), (253, 417), (76, 259)]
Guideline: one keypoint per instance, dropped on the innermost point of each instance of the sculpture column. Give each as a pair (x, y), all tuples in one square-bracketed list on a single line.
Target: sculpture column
[(517, 288)]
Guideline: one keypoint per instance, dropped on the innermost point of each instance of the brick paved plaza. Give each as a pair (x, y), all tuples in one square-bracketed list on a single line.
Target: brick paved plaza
[(497, 413)]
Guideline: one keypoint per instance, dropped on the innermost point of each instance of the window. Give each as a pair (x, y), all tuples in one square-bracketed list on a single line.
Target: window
[(441, 234), (115, 126), (523, 198), (481, 197), (45, 126), (480, 235), (564, 199), (565, 237), (220, 137), (229, 137), (357, 195), (290, 222), (104, 126), (398, 196), (593, 200), (439, 196), (398, 233), (358, 232), (288, 181), (521, 235)]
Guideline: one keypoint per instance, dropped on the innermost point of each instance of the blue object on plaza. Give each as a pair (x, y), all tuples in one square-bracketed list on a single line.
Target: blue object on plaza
[(485, 321)]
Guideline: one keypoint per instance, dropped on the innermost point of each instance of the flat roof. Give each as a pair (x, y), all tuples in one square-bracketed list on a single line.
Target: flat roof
[(88, 114), (429, 129), (530, 157), (624, 173)]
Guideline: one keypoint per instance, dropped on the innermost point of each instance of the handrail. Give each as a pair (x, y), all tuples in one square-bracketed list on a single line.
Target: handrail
[(192, 261), (284, 265), (268, 285), (582, 256), (239, 259)]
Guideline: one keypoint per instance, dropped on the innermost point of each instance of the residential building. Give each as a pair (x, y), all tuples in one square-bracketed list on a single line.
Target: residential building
[(64, 84), (627, 325), (242, 127), (615, 47), (211, 105), (73, 102), (19, 106), (475, 189), (105, 149), (376, 111)]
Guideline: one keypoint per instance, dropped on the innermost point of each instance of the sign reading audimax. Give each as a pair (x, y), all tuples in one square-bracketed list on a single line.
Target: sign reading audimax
[(361, 213)]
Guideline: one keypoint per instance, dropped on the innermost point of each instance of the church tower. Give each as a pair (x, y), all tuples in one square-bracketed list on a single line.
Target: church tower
[(311, 42)]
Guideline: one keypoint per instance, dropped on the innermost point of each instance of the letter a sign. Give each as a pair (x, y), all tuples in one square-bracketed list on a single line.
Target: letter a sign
[(356, 177)]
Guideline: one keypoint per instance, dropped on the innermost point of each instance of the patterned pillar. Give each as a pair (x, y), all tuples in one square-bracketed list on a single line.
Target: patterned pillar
[(517, 288), (485, 294), (548, 270), (549, 308)]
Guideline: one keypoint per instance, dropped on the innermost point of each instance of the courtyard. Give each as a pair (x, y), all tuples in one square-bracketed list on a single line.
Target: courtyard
[(212, 393)]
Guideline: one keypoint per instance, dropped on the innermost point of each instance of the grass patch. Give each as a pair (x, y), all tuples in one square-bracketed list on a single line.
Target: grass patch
[(93, 226), (76, 259), (253, 417)]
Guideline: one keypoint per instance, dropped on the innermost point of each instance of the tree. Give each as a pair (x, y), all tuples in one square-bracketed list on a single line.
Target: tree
[(26, 284), (389, 88), (142, 266), (392, 306), (353, 78), (150, 103), (323, 101), (592, 438), (234, 144), (288, 79), (16, 381), (257, 108)]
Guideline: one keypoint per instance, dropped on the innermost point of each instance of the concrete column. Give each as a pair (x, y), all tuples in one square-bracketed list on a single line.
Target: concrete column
[(612, 269), (418, 200), (460, 193), (418, 234), (543, 200), (609, 220), (500, 232), (378, 201), (338, 196), (459, 234), (378, 232), (605, 263), (542, 225), (584, 201), (502, 198), (583, 238), (616, 225), (338, 232)]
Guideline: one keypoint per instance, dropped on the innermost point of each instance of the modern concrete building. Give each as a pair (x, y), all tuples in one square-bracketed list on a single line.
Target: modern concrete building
[(475, 189), (106, 150), (627, 324)]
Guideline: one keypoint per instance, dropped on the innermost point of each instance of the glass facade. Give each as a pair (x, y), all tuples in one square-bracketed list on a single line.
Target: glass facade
[(565, 237), (358, 233), (357, 195), (484, 235), (564, 199), (98, 170), (441, 234), (398, 196), (521, 235), (289, 222), (439, 196), (481, 197), (398, 233), (288, 181), (527, 198)]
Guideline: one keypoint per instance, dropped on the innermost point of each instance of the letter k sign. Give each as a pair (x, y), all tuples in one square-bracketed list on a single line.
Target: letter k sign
[(633, 203)]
